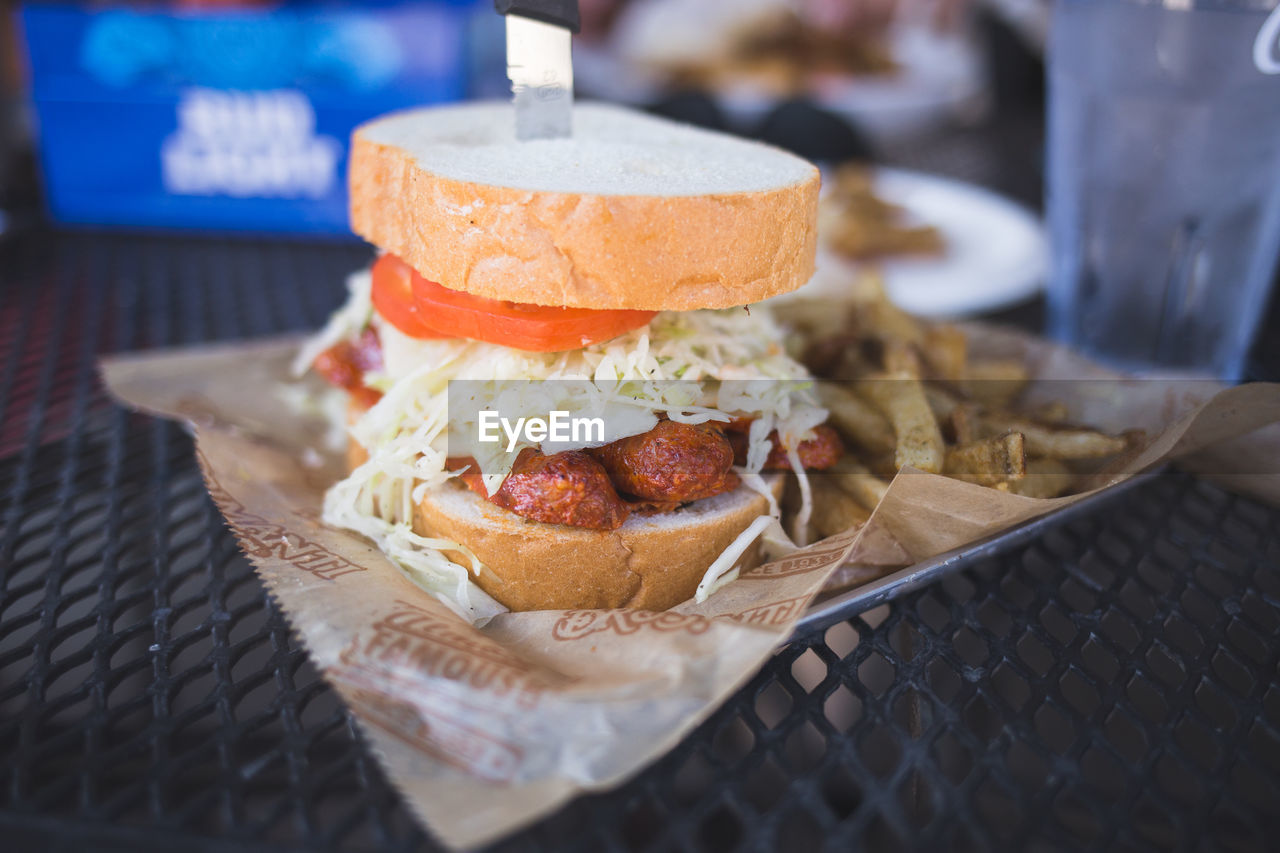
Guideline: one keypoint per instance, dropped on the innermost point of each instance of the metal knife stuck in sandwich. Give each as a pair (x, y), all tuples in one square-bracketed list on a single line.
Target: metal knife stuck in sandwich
[(540, 65)]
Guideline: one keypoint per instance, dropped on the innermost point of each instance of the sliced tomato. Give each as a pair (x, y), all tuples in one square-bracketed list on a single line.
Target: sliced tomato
[(438, 311), (392, 295)]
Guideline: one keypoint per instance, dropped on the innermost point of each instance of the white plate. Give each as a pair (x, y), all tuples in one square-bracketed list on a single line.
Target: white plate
[(996, 253)]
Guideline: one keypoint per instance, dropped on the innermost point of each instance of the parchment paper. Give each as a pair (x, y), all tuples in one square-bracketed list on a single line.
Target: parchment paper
[(486, 730)]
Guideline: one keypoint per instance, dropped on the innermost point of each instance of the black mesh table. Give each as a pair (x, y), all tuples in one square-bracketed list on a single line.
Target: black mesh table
[(1115, 683)]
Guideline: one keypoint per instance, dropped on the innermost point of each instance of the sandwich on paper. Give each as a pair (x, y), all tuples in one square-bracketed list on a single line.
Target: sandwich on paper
[(560, 389)]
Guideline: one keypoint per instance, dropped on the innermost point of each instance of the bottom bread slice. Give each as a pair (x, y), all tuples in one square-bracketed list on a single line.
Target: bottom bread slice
[(650, 562)]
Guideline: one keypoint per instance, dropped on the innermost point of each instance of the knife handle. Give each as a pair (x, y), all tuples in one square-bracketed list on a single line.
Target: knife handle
[(560, 13)]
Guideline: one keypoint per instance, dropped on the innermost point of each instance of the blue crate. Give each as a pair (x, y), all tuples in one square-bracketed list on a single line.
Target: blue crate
[(234, 120)]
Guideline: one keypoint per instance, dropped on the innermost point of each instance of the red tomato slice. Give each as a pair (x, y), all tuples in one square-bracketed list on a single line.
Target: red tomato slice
[(440, 312), (392, 295)]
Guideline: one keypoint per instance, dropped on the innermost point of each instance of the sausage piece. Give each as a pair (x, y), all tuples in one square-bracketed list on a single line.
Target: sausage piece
[(816, 454), (345, 363), (671, 462), (564, 488)]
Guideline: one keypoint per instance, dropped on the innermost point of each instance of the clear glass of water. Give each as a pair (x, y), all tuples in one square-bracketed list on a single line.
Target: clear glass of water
[(1163, 186)]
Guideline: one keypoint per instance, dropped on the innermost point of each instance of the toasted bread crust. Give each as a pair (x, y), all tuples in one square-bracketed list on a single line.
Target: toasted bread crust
[(584, 250)]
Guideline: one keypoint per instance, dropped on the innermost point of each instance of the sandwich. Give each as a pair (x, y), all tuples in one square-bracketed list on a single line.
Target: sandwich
[(610, 279)]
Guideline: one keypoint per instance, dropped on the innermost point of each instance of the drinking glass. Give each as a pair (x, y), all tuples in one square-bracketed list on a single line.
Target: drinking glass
[(1163, 185)]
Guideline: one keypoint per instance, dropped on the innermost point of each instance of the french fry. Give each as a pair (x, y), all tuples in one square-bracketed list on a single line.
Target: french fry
[(840, 357), (901, 358), (941, 400), (995, 384), (857, 481), (857, 235), (964, 423), (946, 351), (882, 465), (854, 179), (1054, 412), (834, 511), (857, 223), (1055, 441), (1045, 478), (990, 461), (868, 287), (892, 323), (856, 420), (901, 399), (813, 318), (1134, 438), (881, 317)]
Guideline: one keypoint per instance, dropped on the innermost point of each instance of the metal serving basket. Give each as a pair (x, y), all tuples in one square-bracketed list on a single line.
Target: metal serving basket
[(1103, 678)]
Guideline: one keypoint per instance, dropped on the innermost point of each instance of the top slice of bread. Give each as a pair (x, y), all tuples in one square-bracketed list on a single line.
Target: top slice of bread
[(632, 211)]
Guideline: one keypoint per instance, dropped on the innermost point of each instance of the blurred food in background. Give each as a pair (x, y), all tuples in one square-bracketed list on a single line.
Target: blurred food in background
[(781, 52), (893, 68)]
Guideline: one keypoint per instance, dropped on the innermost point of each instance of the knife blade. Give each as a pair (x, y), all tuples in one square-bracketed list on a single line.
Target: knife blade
[(540, 65)]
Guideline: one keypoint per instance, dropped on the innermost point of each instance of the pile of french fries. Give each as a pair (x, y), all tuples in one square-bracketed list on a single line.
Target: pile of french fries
[(905, 393), (858, 224)]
